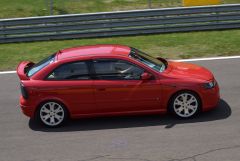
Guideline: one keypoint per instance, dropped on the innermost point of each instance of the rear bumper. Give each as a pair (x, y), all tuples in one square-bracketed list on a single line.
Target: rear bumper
[(27, 111), (26, 108)]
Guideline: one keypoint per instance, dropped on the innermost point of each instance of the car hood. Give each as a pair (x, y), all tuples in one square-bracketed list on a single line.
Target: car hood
[(188, 70)]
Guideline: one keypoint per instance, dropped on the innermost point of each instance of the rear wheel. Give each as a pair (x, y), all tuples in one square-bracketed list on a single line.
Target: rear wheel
[(185, 104), (52, 114)]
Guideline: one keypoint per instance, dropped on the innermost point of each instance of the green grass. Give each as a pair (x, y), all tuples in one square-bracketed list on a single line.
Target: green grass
[(27, 8), (174, 46)]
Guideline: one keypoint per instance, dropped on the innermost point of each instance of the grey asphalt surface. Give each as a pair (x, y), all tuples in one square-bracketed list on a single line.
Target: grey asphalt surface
[(213, 136)]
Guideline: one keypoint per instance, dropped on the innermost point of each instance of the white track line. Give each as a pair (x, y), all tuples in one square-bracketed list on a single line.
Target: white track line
[(180, 60), (211, 58), (7, 72)]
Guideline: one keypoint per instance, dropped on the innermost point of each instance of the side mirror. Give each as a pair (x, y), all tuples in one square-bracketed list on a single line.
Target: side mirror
[(162, 60), (146, 76)]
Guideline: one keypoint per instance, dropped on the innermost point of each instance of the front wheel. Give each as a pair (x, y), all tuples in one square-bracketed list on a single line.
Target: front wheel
[(52, 114), (185, 104)]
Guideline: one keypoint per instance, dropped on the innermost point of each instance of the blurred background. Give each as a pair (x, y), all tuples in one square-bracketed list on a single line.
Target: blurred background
[(28, 8)]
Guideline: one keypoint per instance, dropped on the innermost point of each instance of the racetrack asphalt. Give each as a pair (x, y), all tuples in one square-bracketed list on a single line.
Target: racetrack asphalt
[(212, 136)]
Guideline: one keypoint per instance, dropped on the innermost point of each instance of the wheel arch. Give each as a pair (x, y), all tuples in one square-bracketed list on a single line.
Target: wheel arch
[(180, 91), (53, 100)]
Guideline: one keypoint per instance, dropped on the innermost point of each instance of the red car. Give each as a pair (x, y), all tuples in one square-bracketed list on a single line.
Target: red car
[(103, 80)]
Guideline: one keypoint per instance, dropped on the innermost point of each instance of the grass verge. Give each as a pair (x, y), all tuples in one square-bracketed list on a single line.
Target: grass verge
[(174, 46)]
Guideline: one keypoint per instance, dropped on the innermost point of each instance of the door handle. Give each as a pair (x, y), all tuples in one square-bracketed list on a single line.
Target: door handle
[(101, 89), (125, 85)]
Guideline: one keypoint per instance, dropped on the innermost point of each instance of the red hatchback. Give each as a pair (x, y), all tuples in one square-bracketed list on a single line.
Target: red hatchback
[(103, 80)]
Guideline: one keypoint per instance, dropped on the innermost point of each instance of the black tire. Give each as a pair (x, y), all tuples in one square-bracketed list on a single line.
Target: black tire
[(179, 109), (63, 113)]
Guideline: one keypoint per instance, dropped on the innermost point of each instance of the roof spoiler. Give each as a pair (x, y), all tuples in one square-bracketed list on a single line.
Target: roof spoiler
[(22, 69)]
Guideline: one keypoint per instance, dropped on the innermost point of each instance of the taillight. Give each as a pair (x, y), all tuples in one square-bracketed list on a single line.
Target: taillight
[(23, 91)]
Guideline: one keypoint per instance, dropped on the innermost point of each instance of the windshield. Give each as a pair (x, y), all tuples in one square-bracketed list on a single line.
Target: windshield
[(148, 60), (40, 65)]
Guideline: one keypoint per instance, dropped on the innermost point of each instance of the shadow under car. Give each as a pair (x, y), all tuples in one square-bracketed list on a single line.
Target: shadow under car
[(222, 111)]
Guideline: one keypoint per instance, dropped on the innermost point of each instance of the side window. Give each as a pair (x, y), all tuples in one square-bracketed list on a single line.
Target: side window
[(114, 69), (70, 71)]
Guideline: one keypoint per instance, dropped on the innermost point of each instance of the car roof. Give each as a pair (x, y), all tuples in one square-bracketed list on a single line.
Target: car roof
[(93, 50)]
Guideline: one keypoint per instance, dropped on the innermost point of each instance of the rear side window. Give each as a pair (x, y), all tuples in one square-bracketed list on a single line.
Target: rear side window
[(70, 71), (114, 69), (40, 65)]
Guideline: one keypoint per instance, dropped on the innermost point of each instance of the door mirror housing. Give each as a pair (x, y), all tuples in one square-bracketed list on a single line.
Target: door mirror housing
[(146, 76)]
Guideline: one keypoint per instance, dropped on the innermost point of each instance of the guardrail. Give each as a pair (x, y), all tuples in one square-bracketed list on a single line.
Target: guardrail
[(121, 23)]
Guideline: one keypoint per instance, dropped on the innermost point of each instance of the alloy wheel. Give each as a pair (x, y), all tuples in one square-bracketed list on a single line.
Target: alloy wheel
[(52, 114), (185, 105)]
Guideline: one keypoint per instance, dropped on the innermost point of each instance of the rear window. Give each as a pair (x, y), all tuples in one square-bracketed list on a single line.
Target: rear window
[(40, 65)]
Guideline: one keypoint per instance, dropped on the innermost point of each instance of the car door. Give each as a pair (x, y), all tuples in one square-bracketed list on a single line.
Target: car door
[(119, 87), (72, 83)]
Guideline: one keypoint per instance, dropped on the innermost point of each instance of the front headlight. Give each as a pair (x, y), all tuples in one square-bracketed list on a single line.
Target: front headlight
[(210, 85)]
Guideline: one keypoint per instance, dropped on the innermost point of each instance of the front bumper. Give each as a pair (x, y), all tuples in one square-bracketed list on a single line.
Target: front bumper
[(210, 98)]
